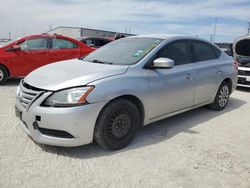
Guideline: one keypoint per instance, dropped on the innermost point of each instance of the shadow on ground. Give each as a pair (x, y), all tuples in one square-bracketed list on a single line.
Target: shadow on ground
[(246, 89), (12, 82), (151, 134)]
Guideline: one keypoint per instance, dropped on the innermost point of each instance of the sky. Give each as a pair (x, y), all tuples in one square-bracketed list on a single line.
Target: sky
[(190, 17)]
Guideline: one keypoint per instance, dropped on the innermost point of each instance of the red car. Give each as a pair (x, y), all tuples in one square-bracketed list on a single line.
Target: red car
[(26, 54)]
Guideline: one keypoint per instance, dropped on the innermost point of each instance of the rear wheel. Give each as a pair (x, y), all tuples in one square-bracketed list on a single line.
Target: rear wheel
[(117, 124), (222, 97), (3, 74)]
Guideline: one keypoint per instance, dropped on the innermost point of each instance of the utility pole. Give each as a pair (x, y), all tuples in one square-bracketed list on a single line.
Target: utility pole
[(9, 35), (211, 38), (248, 29), (215, 28)]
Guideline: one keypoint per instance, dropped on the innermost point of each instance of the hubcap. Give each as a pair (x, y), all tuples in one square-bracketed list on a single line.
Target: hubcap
[(223, 96), (1, 75), (119, 125)]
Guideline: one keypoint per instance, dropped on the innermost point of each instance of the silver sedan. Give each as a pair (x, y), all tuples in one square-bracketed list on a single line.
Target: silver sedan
[(110, 94)]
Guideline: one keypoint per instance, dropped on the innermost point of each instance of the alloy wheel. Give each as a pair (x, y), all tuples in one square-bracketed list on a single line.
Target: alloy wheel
[(223, 96)]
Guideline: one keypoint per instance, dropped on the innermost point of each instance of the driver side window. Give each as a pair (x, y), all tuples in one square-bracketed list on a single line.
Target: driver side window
[(34, 44), (178, 51)]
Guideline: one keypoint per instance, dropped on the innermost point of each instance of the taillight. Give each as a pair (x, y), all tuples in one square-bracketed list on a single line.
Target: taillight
[(236, 64)]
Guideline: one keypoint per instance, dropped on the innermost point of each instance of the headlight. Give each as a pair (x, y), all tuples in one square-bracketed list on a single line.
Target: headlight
[(68, 97)]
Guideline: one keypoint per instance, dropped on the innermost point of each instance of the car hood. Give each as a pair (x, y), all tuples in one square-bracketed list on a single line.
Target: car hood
[(71, 73)]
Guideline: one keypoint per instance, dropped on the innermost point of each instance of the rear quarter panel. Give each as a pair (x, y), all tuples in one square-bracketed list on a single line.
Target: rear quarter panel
[(228, 69)]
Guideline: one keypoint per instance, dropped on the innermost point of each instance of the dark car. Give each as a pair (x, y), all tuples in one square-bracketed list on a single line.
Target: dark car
[(95, 42)]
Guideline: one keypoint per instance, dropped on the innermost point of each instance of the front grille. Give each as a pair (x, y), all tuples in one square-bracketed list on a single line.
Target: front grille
[(27, 94), (244, 73)]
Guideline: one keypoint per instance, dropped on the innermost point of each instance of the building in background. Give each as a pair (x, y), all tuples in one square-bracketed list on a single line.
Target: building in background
[(79, 32)]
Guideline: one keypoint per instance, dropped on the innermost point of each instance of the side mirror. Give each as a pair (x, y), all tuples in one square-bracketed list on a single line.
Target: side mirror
[(163, 63), (14, 48)]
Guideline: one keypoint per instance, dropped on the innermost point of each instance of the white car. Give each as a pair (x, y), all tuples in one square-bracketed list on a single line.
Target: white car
[(241, 50)]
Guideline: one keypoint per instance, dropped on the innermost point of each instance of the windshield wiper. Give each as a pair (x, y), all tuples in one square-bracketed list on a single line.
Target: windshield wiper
[(102, 62)]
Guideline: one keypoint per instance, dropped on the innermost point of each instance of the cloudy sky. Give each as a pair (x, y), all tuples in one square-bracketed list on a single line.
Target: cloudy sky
[(190, 17)]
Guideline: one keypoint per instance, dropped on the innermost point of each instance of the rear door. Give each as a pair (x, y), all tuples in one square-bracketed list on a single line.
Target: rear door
[(63, 49), (172, 89), (208, 70), (33, 54)]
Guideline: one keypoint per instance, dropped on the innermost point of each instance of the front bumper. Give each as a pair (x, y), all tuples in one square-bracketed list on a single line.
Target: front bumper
[(78, 122)]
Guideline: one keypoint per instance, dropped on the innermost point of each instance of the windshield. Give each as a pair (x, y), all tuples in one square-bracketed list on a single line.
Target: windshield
[(126, 51)]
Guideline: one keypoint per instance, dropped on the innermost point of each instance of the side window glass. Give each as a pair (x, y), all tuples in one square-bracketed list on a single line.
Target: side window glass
[(203, 51), (98, 43), (177, 51), (89, 42), (34, 44), (62, 44)]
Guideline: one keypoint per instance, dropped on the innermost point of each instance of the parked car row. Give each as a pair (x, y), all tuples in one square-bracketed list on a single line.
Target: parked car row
[(110, 94), (26, 54)]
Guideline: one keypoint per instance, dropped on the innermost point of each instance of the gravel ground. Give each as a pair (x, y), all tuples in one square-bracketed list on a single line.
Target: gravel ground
[(200, 148)]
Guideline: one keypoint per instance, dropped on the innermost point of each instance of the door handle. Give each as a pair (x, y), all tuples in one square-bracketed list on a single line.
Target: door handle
[(189, 76), (218, 71)]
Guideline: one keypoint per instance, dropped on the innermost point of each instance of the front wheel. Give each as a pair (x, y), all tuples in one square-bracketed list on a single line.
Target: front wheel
[(117, 124), (3, 74), (221, 98)]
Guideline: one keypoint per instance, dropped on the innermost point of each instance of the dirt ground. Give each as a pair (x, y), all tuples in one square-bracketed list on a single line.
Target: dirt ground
[(200, 148)]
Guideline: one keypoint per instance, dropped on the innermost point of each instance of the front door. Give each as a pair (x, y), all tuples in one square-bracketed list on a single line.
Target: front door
[(172, 89), (33, 54)]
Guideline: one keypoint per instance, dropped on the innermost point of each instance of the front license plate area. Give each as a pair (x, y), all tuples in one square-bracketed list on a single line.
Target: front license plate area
[(18, 113)]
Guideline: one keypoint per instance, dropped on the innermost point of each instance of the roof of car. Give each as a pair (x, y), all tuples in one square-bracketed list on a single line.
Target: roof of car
[(80, 38), (167, 36), (159, 36)]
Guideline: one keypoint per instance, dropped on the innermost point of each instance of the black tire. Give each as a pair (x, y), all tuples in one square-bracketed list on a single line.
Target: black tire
[(221, 98), (3, 75), (117, 124)]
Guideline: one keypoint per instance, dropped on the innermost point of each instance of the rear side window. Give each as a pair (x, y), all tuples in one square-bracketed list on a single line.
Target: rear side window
[(105, 42), (204, 51), (34, 44), (177, 51), (62, 44), (98, 43)]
